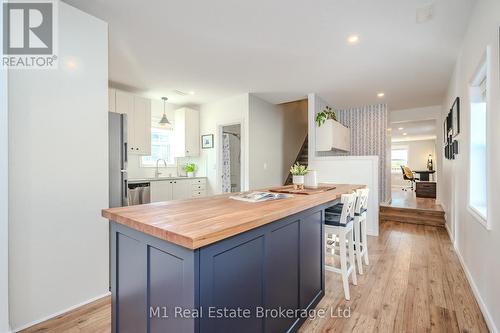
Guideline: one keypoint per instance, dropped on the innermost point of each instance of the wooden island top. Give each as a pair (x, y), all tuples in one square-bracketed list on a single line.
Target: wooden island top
[(194, 223)]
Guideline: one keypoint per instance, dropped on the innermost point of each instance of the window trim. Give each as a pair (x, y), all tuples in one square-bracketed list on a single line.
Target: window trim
[(400, 147), (483, 68)]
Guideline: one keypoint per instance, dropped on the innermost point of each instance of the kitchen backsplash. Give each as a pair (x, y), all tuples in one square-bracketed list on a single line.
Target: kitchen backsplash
[(135, 171)]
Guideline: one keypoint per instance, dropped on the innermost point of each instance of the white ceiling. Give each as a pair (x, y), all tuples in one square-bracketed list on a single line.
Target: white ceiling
[(283, 49), (415, 130)]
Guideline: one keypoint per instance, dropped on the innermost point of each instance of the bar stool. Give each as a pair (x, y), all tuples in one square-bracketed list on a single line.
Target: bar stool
[(360, 238), (339, 222)]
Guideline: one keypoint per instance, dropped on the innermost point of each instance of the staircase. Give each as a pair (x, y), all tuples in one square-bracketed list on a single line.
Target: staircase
[(302, 158), (434, 218)]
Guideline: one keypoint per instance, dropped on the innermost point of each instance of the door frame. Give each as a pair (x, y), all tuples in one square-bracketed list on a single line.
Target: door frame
[(243, 155)]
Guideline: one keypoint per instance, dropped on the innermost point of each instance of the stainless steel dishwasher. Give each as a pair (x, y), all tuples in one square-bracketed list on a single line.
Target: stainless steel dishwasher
[(139, 193)]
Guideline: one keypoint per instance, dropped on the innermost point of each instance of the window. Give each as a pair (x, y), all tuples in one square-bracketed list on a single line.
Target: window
[(161, 147), (478, 190), (399, 157)]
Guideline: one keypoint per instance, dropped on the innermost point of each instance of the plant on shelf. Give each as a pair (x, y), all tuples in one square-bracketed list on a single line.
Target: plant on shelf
[(189, 168), (327, 113), (298, 172)]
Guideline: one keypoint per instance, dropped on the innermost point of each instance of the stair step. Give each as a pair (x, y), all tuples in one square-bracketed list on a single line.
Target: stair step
[(409, 215)]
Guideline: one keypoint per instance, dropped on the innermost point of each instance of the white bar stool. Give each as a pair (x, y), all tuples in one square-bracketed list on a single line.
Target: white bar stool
[(360, 238), (339, 222)]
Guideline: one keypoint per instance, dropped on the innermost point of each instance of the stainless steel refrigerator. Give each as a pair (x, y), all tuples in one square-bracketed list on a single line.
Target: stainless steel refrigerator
[(118, 183)]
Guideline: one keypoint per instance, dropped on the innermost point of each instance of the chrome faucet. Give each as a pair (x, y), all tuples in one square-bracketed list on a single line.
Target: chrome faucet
[(157, 172)]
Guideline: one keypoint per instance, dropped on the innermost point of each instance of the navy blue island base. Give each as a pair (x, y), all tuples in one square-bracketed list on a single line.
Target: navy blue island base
[(263, 280)]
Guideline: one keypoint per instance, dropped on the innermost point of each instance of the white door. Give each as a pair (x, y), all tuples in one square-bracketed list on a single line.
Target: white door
[(161, 191)]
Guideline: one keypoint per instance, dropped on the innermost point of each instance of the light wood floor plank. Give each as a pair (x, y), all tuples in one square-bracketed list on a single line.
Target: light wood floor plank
[(414, 284)]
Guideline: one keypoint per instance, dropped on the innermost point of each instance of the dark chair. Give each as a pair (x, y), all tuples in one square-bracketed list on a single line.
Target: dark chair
[(409, 176)]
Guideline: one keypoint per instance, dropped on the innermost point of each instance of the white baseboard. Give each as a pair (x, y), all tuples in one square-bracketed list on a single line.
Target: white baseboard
[(487, 316), (38, 321)]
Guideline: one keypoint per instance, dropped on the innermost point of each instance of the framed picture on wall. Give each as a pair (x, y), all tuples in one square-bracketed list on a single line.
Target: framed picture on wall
[(207, 141), (445, 132), (455, 117)]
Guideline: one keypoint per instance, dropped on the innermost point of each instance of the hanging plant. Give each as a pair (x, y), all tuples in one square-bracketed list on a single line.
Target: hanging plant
[(327, 113)]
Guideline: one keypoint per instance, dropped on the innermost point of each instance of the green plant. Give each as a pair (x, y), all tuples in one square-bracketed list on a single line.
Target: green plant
[(189, 167), (298, 170), (327, 113)]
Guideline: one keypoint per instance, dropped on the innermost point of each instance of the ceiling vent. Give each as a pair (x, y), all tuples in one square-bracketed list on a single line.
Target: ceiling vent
[(180, 93), (425, 14)]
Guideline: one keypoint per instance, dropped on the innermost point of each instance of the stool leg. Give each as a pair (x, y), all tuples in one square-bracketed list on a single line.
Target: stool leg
[(365, 241), (357, 240), (343, 265), (352, 260)]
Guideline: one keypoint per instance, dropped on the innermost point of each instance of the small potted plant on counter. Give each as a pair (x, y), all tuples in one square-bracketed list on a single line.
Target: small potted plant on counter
[(190, 168), (298, 172)]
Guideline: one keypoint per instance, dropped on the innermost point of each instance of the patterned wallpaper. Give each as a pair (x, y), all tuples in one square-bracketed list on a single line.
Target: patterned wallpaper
[(369, 136)]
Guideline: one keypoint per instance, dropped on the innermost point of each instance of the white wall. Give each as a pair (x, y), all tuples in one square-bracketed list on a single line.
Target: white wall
[(4, 194), (266, 141), (416, 114), (363, 170), (58, 173), (418, 153), (477, 247), (214, 115)]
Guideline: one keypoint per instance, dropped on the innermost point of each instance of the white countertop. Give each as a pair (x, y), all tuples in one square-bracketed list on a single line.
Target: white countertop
[(144, 180)]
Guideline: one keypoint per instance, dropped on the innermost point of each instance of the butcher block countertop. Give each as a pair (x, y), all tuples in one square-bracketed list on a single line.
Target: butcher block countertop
[(194, 223)]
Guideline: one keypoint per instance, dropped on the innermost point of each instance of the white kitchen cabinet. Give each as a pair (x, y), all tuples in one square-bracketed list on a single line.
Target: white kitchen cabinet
[(187, 132), (161, 190), (142, 125), (181, 189), (177, 189), (138, 111), (332, 135), (111, 100)]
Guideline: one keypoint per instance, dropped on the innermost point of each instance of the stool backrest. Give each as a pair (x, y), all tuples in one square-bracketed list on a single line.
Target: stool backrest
[(362, 200), (349, 201)]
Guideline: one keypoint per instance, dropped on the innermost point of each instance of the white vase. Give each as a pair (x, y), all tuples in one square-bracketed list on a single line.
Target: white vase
[(190, 174), (298, 180), (311, 179)]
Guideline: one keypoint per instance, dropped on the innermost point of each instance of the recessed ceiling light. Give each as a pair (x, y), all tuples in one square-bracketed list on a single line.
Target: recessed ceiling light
[(380, 94), (405, 133), (353, 39), (191, 93), (400, 128)]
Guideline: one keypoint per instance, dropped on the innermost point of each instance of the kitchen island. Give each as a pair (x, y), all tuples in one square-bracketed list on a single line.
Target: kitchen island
[(218, 265)]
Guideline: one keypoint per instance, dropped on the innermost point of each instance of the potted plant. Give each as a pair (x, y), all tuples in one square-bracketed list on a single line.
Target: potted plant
[(189, 168), (298, 172), (327, 113)]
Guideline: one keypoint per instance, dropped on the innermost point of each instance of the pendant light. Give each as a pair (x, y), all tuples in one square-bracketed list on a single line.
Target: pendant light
[(164, 120)]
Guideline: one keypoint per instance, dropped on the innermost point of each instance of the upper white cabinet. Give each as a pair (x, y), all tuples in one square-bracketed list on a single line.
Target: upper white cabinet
[(138, 111), (332, 135), (187, 132)]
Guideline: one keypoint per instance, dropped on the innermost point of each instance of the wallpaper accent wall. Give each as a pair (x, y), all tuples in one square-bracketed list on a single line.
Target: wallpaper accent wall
[(369, 136)]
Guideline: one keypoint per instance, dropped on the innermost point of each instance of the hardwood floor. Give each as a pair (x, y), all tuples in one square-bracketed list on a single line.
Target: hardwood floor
[(406, 207), (414, 284)]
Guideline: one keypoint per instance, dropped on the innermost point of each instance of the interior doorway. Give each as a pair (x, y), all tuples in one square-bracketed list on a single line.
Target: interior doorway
[(231, 173)]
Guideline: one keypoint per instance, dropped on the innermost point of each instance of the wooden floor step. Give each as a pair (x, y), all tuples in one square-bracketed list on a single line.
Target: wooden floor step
[(408, 215)]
